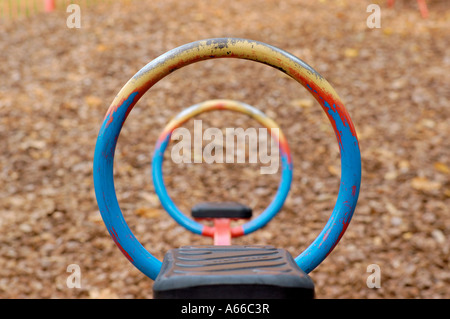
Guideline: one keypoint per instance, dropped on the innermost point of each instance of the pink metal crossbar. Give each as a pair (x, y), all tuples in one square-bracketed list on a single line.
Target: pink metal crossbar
[(422, 7)]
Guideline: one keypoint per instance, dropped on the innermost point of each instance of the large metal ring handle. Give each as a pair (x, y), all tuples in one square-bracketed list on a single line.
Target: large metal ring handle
[(197, 51), (276, 133)]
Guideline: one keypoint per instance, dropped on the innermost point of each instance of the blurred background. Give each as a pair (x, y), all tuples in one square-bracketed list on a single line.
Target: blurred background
[(57, 80)]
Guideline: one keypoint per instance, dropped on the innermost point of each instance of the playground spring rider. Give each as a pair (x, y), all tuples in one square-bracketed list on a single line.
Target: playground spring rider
[(223, 270)]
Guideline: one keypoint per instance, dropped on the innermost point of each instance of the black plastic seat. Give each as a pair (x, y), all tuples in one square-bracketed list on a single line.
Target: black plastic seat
[(221, 210), (231, 272)]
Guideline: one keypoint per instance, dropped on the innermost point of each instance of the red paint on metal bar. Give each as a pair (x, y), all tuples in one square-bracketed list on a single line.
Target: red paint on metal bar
[(326, 100), (208, 231), (116, 240), (49, 5), (237, 231)]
